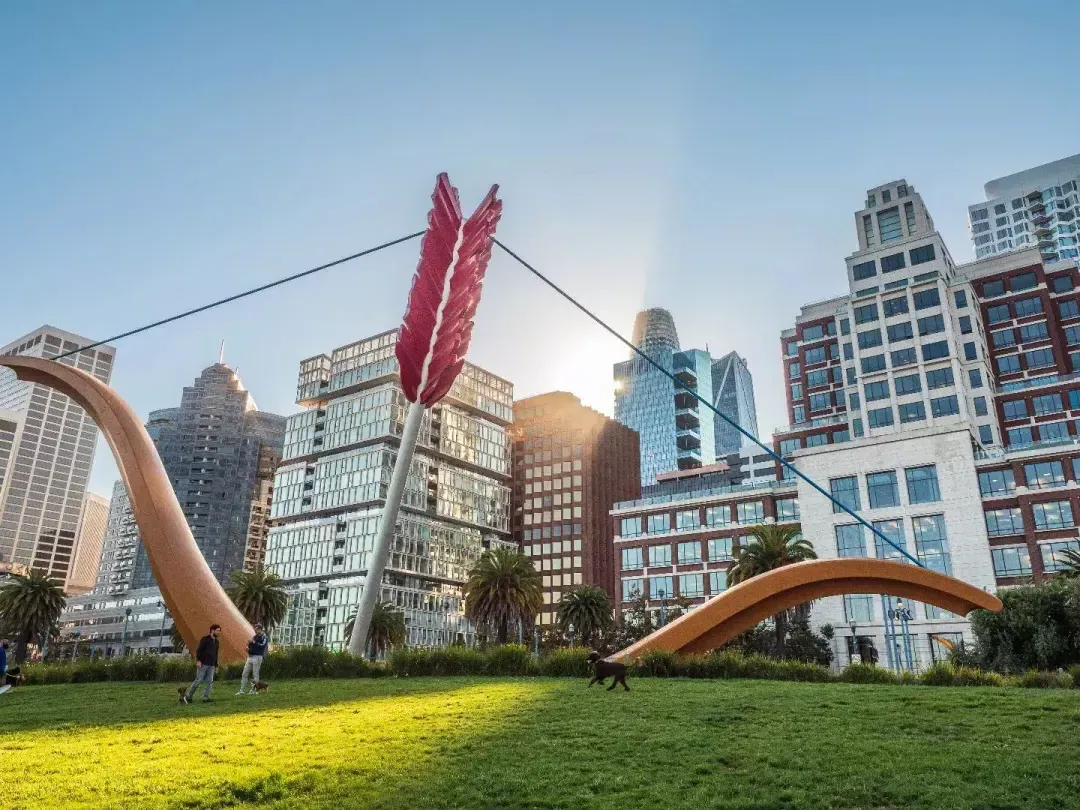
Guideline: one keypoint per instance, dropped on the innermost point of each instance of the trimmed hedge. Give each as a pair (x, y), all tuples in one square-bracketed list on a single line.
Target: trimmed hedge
[(516, 660)]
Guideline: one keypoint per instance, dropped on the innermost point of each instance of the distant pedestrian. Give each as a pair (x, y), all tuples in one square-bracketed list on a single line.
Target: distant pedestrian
[(206, 655), (256, 652)]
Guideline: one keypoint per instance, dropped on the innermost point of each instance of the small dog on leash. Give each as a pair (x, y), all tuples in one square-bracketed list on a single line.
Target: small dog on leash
[(259, 687), (607, 669)]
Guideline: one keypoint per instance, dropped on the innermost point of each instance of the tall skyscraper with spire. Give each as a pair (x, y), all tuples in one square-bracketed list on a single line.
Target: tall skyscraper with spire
[(677, 431)]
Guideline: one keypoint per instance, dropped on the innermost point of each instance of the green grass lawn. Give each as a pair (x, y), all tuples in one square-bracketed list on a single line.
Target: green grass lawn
[(540, 743)]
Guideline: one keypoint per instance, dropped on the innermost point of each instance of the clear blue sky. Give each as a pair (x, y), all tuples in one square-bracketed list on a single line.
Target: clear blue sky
[(704, 157)]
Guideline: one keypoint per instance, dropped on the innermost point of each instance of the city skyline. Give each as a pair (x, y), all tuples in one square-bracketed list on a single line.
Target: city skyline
[(686, 131)]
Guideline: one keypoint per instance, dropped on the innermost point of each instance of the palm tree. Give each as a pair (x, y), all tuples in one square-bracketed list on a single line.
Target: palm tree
[(387, 628), (588, 609), (503, 589), (771, 547), (1070, 563), (260, 596), (29, 606)]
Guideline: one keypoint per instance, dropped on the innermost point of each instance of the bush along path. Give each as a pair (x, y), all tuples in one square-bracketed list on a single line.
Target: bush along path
[(514, 660)]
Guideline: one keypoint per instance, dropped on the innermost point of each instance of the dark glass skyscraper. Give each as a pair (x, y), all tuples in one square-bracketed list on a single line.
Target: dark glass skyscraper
[(218, 450)]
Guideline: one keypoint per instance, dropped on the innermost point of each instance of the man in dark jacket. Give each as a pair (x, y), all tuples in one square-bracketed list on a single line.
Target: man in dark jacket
[(256, 652), (206, 656)]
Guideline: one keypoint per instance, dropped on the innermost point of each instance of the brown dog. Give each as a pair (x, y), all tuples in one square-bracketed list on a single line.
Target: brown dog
[(260, 686), (607, 669)]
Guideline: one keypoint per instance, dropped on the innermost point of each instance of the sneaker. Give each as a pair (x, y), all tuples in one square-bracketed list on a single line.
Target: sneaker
[(242, 692)]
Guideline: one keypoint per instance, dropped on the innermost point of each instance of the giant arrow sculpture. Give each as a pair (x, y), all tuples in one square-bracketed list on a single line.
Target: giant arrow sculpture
[(431, 348)]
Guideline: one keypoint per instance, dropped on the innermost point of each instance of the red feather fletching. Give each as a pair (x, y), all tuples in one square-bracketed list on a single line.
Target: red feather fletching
[(437, 327)]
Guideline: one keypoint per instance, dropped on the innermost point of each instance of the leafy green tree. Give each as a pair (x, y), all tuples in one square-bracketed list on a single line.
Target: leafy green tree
[(503, 589), (29, 606), (260, 596), (1070, 559), (588, 609), (1038, 628), (771, 546), (386, 630)]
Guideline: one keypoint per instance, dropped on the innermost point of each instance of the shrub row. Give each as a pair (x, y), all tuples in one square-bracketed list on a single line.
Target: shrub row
[(318, 662)]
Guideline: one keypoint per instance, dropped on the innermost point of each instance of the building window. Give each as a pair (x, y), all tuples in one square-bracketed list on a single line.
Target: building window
[(894, 532), (944, 406), (721, 515), (1052, 431), (631, 527), (1047, 403), (970, 352), (658, 524), (814, 356), (1002, 522), (997, 483), (1052, 515), (661, 588), (894, 306), (1003, 338), (750, 512), (892, 263), (817, 440), (1072, 335), (866, 313), (796, 392), (792, 348), (849, 352), (688, 519), (863, 270), (921, 255), (869, 339), (787, 510), (1030, 332), (961, 299), (912, 412), (691, 586), (849, 540), (856, 428), (879, 417), (689, 553), (1069, 309), (877, 390), (1053, 554), (719, 549), (858, 608), (926, 298), (631, 559), (659, 556), (817, 378), (939, 378), (1008, 364), (904, 357), (931, 325), (1025, 281), (986, 434), (1019, 437), (794, 371), (909, 213), (965, 325), (993, 288), (900, 331), (935, 351), (1011, 561), (820, 402), (882, 489), (1039, 358), (1061, 284), (922, 484), (787, 448), (873, 364), (975, 378), (846, 491), (980, 406), (888, 222), (1023, 307), (1014, 409), (632, 589), (909, 384), (931, 543)]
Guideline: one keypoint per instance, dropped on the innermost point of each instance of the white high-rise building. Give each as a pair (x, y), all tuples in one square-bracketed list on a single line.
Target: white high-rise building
[(43, 500), (1037, 207)]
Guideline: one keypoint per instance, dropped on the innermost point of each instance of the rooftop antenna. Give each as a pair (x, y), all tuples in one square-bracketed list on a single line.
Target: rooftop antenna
[(221, 354)]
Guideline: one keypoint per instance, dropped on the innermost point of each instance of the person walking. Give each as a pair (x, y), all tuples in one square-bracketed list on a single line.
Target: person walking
[(256, 652), (4, 685), (206, 655)]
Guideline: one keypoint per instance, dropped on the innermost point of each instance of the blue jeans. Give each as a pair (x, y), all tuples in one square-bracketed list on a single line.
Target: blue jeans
[(205, 675)]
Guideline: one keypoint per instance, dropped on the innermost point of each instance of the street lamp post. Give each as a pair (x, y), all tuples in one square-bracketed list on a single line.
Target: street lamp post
[(123, 633), (75, 647), (904, 614), (663, 607), (161, 632), (571, 629), (856, 658), (536, 641)]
